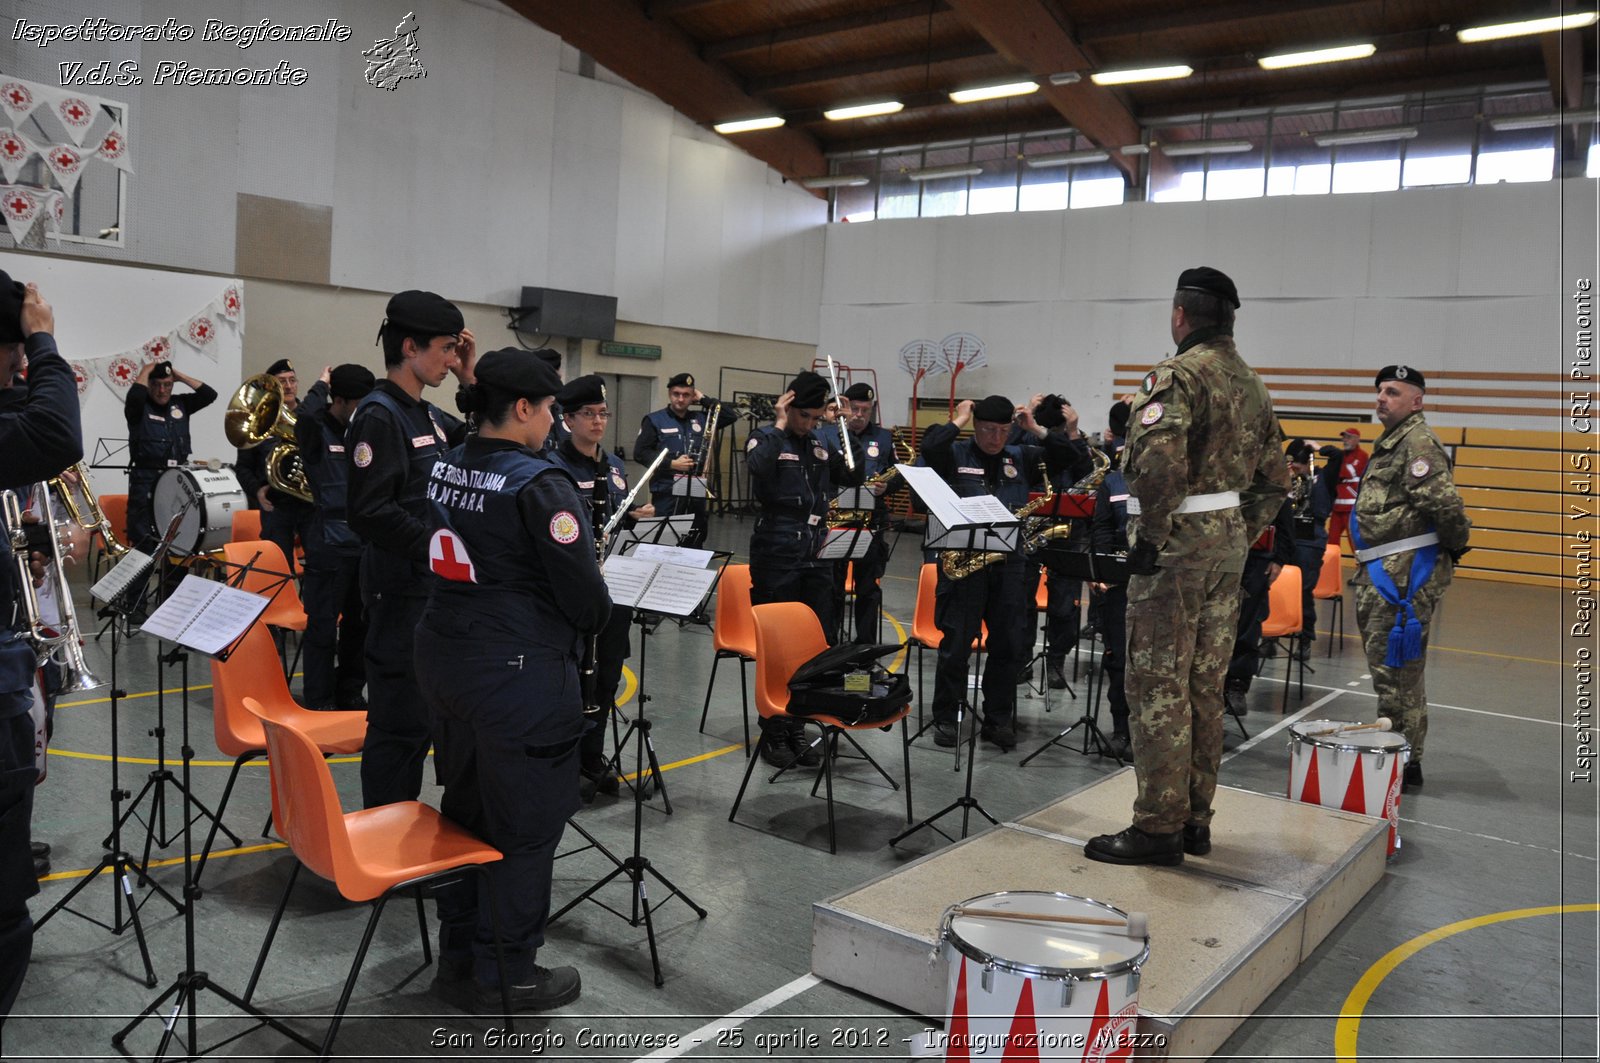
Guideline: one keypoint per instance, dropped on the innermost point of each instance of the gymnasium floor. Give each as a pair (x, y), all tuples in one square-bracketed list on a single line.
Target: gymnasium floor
[(1496, 838)]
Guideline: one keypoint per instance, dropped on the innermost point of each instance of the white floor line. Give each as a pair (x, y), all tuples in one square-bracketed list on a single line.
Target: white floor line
[(735, 1019), (1431, 704), (1280, 725)]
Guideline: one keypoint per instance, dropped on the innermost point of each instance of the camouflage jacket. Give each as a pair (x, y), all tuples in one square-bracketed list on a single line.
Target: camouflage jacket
[(1203, 423), (1408, 490)]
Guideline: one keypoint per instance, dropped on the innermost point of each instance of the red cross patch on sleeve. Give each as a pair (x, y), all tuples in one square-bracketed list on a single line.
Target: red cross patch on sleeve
[(447, 557)]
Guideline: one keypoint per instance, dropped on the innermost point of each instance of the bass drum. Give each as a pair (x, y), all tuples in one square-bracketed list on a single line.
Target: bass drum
[(212, 496)]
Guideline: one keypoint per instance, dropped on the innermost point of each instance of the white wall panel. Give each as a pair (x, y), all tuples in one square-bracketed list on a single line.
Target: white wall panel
[(743, 228), (904, 264), (1326, 246), (1423, 265), (1509, 239), (1094, 253), (642, 208), (695, 176), (586, 164)]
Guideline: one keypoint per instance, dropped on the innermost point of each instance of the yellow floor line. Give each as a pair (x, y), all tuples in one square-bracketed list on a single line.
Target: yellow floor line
[(175, 861)]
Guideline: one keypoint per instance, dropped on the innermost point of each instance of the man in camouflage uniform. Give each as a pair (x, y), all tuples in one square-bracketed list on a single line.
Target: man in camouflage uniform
[(1205, 475), (1410, 528)]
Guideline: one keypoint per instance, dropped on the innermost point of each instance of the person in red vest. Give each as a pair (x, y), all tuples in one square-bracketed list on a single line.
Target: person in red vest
[(1352, 463)]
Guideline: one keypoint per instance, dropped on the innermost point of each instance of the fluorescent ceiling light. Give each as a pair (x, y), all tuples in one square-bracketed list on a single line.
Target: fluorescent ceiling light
[(1320, 55), (843, 180), (1503, 123), (963, 170), (994, 92), (1149, 73), (1478, 34), (1067, 158), (1376, 135), (1206, 147), (1135, 149), (749, 125), (864, 110), (1070, 77)]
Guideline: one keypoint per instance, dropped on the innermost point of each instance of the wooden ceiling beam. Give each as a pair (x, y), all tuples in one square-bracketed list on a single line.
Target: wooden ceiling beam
[(808, 31), (1209, 17), (1563, 62), (661, 59), (1039, 41), (760, 86)]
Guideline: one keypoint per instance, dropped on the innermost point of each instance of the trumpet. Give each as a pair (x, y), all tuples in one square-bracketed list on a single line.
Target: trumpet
[(83, 508), (64, 646), (256, 414)]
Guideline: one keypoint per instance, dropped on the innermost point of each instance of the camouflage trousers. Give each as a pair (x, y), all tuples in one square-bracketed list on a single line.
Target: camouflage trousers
[(1401, 696), (1180, 635)]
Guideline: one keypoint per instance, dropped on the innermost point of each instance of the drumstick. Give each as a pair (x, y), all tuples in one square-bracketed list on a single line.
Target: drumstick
[(1137, 924), (1383, 724)]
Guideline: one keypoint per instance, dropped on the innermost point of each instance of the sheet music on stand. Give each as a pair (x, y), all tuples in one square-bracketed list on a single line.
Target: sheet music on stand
[(658, 586), (687, 556), (204, 615), (136, 565), (979, 523), (667, 531), (856, 498), (687, 485), (846, 543)]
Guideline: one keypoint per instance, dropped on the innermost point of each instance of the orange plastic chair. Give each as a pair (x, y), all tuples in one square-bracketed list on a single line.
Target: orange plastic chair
[(367, 855), (246, 525), (1330, 588), (733, 634), (252, 670), (787, 635), (266, 576), (1285, 617), (926, 634)]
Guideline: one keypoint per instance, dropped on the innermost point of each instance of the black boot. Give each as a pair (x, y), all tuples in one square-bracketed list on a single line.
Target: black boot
[(775, 747), (1134, 846), (1196, 839), (807, 752), (1119, 746), (1056, 667), (1413, 776), (1236, 700)]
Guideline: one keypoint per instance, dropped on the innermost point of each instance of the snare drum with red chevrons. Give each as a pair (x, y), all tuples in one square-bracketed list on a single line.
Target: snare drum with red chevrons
[(1354, 771)]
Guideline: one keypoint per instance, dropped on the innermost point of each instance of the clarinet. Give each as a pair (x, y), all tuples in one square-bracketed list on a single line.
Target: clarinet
[(589, 669)]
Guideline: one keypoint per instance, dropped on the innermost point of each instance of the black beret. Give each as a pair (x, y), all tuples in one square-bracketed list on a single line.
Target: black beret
[(350, 381), (1298, 451), (424, 314), (1051, 412), (860, 393), (810, 391), (549, 356), (585, 391), (11, 295), (160, 371), (1403, 373), (1211, 281), (682, 380), (282, 365), (517, 371), (996, 408), (1117, 419)]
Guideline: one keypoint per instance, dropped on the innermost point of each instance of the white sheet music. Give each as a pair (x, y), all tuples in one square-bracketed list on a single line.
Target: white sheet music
[(676, 590), (205, 615), (672, 555), (842, 543), (134, 567), (985, 509), (687, 486), (626, 579)]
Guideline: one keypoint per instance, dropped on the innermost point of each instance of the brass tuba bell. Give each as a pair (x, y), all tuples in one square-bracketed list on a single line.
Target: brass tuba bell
[(256, 414)]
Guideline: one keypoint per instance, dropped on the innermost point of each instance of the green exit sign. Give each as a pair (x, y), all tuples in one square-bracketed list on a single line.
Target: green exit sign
[(631, 350)]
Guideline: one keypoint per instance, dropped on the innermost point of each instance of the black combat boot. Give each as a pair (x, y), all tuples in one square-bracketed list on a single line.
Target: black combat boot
[(1196, 839), (1134, 846)]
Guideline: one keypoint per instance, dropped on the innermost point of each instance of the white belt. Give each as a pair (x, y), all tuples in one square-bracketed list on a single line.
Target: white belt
[(1415, 542), (1196, 503)]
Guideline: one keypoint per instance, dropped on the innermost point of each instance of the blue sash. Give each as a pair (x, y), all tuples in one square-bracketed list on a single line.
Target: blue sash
[(1405, 638)]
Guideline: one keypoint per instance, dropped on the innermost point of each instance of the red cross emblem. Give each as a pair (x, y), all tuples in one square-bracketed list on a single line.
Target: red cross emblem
[(19, 205), (122, 369), (66, 160), (74, 111), (19, 96), (447, 557), (12, 148)]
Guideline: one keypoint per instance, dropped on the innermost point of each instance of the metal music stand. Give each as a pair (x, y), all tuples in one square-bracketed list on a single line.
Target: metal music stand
[(116, 858), (191, 981), (1092, 568)]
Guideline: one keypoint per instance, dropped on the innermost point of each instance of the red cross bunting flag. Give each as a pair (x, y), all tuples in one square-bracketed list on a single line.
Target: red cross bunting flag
[(18, 98), (447, 557), (24, 205), (113, 148), (66, 162), (200, 332), (15, 150)]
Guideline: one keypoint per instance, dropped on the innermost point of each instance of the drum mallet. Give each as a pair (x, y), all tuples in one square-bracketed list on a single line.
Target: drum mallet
[(1383, 724), (1137, 925)]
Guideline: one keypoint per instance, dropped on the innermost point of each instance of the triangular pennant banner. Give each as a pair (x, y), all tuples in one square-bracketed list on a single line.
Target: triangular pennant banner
[(23, 206), (18, 98), (230, 304), (83, 373), (200, 332), (113, 148), (66, 162), (15, 150), (119, 371), (76, 114), (158, 348)]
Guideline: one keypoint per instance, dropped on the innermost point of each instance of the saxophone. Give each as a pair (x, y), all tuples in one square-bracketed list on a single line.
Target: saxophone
[(837, 516), (959, 564)]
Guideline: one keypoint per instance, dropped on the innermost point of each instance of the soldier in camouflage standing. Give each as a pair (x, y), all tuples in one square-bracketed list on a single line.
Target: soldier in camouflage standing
[(1409, 529), (1205, 475)]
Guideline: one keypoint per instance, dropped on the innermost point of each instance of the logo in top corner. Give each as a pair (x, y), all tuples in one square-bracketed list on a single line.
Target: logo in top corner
[(392, 61)]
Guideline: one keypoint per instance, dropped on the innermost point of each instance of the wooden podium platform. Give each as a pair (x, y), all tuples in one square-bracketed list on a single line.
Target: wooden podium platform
[(1225, 929)]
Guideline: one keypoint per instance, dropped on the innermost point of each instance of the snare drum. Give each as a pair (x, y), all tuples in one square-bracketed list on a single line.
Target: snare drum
[(1040, 990), (208, 524), (1357, 772)]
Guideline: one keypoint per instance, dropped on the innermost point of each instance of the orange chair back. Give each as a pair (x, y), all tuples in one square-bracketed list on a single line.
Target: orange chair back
[(115, 509), (734, 631), (252, 670), (788, 634), (1041, 596), (923, 629), (305, 805), (267, 571), (1330, 581), (1285, 615), (246, 525)]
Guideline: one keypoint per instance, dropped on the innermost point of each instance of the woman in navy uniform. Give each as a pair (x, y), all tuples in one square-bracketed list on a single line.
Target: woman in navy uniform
[(987, 465), (794, 475), (497, 649), (681, 434), (394, 438), (602, 486), (336, 627), (158, 438)]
